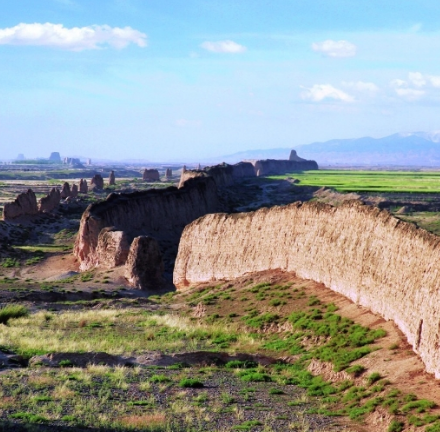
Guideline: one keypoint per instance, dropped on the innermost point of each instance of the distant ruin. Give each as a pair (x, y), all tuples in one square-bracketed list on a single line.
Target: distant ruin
[(55, 157), (376, 260), (97, 182), (50, 202), (65, 191), (83, 187), (74, 191), (111, 179), (26, 206), (151, 175)]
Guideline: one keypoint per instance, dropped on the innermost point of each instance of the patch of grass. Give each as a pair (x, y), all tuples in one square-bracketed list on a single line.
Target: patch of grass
[(86, 277), (238, 364), (275, 391), (190, 383), (160, 379), (345, 340), (254, 376), (420, 406), (396, 426), (355, 370), (10, 262), (248, 425), (12, 311), (29, 417), (258, 321), (374, 377), (277, 302)]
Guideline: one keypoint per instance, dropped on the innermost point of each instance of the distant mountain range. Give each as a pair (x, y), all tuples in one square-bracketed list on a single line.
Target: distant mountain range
[(401, 149)]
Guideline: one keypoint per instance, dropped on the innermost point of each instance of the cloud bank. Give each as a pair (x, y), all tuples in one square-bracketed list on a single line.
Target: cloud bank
[(416, 85), (74, 39), (320, 92), (336, 49), (226, 46)]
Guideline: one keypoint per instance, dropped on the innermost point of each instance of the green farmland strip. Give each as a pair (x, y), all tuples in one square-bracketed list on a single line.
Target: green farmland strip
[(370, 181)]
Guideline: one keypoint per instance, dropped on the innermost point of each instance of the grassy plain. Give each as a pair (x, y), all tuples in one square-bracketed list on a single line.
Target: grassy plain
[(370, 181), (279, 320)]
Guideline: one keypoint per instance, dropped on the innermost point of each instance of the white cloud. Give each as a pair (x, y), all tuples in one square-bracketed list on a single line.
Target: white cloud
[(75, 39), (416, 86), (434, 80), (398, 83), (336, 49), (410, 94), (417, 79), (320, 92), (226, 46), (362, 86)]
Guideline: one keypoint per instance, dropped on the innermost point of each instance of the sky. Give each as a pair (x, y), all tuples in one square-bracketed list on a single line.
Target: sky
[(188, 80)]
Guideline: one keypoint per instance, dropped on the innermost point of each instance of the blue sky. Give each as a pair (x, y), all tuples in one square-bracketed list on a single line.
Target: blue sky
[(188, 80)]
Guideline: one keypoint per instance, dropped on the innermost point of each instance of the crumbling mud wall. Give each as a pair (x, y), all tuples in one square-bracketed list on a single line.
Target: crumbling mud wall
[(24, 205), (387, 265), (223, 174), (275, 166), (159, 213)]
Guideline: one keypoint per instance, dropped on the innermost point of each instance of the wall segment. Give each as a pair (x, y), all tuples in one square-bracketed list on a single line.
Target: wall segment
[(378, 261)]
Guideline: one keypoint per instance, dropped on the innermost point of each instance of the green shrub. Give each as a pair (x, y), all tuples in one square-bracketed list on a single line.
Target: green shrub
[(190, 383)]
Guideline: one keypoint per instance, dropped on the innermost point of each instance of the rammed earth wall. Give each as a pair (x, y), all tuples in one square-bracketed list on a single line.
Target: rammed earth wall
[(160, 213), (378, 261)]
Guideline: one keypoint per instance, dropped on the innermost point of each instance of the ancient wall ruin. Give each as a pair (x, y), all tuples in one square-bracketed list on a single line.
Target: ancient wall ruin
[(223, 174), (378, 261), (275, 166), (162, 214), (24, 205)]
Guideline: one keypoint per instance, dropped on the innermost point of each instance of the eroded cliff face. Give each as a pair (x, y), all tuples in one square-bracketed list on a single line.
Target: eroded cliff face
[(378, 261), (162, 214)]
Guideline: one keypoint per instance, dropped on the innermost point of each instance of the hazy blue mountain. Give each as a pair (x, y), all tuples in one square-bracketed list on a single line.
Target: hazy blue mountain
[(411, 149)]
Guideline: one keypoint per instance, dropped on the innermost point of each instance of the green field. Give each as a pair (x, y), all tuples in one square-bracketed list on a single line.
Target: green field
[(370, 181)]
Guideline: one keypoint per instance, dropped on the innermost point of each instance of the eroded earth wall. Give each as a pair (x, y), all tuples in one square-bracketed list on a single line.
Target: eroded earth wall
[(162, 214), (378, 261)]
